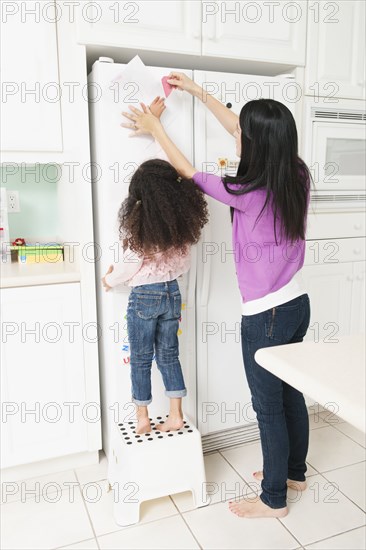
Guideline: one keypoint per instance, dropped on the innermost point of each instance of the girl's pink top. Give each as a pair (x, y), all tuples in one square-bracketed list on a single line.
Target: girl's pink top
[(134, 270)]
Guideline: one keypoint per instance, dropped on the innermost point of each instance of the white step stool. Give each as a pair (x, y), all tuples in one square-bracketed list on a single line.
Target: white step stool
[(152, 465)]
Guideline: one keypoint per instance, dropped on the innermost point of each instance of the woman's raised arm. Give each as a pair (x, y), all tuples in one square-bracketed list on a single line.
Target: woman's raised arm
[(227, 118)]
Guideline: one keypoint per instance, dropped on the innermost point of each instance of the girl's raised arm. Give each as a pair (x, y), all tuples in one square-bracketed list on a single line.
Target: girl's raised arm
[(146, 123), (227, 118)]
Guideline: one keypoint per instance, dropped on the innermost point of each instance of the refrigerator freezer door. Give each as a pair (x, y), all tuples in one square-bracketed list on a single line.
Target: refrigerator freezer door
[(223, 398), (115, 157)]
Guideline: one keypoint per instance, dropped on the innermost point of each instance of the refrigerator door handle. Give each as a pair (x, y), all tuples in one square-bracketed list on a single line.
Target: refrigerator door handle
[(206, 263)]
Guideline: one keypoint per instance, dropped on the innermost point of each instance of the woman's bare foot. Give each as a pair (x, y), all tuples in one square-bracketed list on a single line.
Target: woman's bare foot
[(172, 423), (143, 421), (291, 483), (256, 509)]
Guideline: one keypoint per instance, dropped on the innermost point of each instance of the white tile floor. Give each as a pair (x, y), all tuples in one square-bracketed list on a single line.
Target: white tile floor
[(73, 510)]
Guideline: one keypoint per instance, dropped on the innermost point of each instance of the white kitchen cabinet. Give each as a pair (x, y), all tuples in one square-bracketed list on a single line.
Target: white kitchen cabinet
[(39, 52), (31, 116), (335, 65), (262, 31), (334, 276), (43, 377), (173, 26), (269, 31), (330, 292)]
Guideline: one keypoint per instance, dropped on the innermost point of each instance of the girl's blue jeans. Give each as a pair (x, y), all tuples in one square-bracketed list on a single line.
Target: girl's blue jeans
[(281, 410), (153, 315)]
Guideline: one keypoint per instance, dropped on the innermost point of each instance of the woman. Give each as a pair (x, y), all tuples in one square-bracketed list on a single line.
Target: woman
[(269, 201)]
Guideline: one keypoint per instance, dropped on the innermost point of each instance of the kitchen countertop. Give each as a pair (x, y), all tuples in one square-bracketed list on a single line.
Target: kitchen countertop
[(15, 274), (333, 374)]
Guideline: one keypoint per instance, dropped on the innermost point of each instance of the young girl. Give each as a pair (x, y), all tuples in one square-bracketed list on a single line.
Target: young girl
[(160, 220), (269, 201)]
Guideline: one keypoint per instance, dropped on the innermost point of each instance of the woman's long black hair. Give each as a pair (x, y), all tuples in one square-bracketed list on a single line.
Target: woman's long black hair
[(162, 210), (270, 161)]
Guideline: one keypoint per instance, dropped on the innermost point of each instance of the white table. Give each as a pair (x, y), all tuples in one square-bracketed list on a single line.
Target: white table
[(329, 373)]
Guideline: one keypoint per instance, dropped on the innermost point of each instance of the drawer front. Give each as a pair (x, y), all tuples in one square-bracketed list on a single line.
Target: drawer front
[(331, 251), (337, 225)]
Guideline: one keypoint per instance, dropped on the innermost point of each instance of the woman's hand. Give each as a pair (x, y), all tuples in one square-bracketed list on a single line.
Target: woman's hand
[(183, 82), (142, 122), (157, 107), (104, 283)]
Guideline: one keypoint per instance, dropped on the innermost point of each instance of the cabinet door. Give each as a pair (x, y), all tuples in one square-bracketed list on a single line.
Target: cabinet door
[(173, 26), (43, 380), (336, 49), (269, 31), (358, 298), (330, 291), (31, 118)]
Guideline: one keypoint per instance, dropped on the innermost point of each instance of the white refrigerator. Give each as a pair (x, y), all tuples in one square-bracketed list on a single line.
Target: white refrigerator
[(218, 399)]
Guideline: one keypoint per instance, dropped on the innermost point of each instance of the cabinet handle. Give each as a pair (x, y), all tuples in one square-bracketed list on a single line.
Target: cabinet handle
[(357, 226), (357, 250), (350, 277)]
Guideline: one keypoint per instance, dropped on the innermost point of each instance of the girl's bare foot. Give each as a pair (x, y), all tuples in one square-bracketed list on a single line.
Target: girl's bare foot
[(143, 426), (256, 509), (143, 421), (175, 418), (291, 483), (172, 423)]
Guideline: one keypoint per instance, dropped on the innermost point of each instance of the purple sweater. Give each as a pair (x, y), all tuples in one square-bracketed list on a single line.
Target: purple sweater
[(262, 266)]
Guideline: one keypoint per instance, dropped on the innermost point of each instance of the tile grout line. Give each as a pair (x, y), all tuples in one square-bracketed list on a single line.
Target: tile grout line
[(235, 470), (335, 426), (87, 511), (338, 467), (291, 534), (344, 494), (334, 536), (279, 519), (72, 544), (349, 437), (185, 521), (136, 525)]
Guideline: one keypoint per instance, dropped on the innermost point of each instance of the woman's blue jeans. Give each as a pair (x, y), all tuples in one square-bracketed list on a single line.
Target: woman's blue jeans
[(281, 411), (153, 315)]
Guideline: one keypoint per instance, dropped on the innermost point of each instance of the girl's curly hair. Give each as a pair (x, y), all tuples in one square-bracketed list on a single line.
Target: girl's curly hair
[(162, 210)]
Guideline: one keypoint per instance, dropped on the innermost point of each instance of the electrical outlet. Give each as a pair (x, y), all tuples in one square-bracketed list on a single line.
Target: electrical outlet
[(13, 201)]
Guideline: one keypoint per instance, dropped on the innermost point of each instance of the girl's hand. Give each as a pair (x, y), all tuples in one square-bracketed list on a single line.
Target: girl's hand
[(183, 82), (142, 122), (104, 283), (157, 107)]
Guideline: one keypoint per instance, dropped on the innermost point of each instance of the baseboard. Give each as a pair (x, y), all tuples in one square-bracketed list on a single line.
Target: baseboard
[(224, 439), (51, 466)]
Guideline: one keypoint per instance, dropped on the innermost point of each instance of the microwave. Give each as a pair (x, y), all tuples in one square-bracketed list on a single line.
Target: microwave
[(335, 146)]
